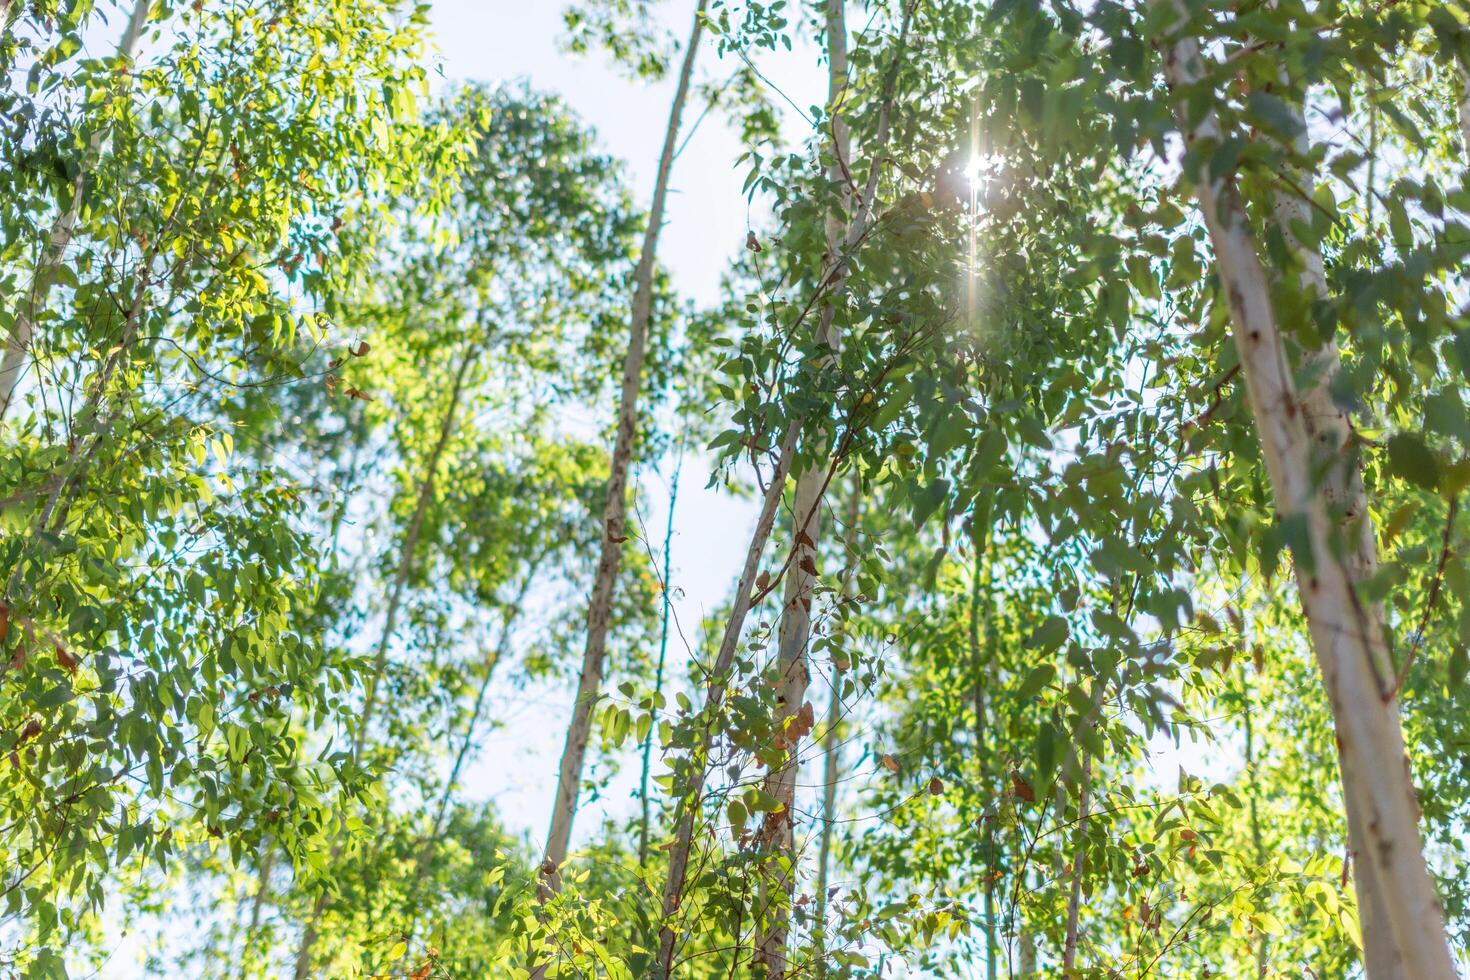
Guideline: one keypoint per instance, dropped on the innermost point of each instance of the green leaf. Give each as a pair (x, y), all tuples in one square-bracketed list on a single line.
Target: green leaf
[(1038, 678), (1410, 459), (1050, 634), (738, 816), (1273, 115)]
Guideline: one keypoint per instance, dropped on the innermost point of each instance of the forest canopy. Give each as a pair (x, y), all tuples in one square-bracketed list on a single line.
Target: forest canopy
[(1089, 380)]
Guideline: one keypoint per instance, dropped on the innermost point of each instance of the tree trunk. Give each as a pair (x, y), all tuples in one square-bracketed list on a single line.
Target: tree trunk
[(262, 892), (982, 782), (410, 545), (719, 678), (1079, 850), (831, 749), (1331, 432), (1465, 115), (599, 613), (1344, 631), (794, 636), (1257, 838), (658, 674), (390, 627), (501, 649), (832, 745), (22, 332)]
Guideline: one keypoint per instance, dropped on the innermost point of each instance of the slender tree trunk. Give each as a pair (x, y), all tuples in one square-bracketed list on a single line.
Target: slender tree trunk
[(501, 649), (719, 677), (691, 804), (22, 332), (410, 546), (832, 745), (431, 842), (262, 892), (1465, 114), (777, 834), (1079, 848), (658, 674), (1026, 960), (794, 636), (1344, 630), (1257, 839), (831, 751), (599, 613), (390, 627), (982, 755)]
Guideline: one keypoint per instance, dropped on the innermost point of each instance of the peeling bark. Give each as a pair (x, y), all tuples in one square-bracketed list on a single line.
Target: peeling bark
[(1342, 627), (1335, 444), (794, 636)]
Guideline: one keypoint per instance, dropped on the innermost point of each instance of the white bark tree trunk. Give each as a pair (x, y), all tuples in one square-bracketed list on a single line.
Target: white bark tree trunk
[(1079, 851), (22, 332), (719, 678), (831, 743), (1343, 629), (1465, 115), (1334, 437), (599, 613), (831, 750)]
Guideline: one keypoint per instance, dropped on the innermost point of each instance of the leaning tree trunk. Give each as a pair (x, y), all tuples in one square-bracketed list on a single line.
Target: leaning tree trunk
[(1465, 115), (1342, 627), (18, 344), (719, 677), (1331, 432), (599, 612), (309, 932), (1079, 862)]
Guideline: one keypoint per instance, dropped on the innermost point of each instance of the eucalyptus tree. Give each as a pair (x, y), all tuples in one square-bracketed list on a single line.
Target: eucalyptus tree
[(1133, 334), (612, 527), (785, 378), (1375, 292)]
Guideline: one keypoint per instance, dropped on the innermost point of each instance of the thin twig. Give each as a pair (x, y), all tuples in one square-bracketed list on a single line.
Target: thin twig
[(1418, 639)]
